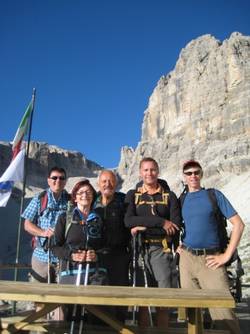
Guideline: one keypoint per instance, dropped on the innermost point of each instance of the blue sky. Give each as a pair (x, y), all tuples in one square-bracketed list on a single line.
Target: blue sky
[(95, 64)]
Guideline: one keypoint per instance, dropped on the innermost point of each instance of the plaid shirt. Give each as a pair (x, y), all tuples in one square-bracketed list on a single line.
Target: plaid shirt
[(48, 219)]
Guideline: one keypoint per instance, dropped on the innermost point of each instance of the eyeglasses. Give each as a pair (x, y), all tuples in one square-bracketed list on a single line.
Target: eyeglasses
[(61, 178), (87, 193), (196, 172)]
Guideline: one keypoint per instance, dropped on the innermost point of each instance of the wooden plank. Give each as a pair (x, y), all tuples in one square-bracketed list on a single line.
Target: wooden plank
[(182, 313), (35, 316), (44, 327), (26, 322), (62, 327), (195, 325), (117, 325), (124, 296)]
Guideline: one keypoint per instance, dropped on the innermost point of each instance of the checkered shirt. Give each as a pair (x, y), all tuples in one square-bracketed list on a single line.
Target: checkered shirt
[(48, 219)]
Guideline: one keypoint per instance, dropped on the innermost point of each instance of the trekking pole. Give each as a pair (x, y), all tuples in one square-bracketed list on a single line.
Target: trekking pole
[(86, 278), (48, 264), (134, 275), (48, 269), (78, 280), (47, 248), (142, 254)]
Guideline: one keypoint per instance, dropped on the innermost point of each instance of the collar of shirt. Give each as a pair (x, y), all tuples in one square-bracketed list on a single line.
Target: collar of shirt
[(157, 190), (77, 215), (60, 203)]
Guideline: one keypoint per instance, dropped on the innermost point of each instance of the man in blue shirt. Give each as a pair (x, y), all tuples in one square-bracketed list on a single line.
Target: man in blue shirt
[(202, 264), (40, 223)]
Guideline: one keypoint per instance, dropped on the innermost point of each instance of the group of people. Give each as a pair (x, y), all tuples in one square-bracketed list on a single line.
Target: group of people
[(136, 234)]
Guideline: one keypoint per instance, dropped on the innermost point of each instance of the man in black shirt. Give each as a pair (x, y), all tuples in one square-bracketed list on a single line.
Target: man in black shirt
[(153, 211), (111, 208)]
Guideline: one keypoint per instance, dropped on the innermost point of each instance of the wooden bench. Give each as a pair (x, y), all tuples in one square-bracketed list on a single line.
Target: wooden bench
[(54, 295)]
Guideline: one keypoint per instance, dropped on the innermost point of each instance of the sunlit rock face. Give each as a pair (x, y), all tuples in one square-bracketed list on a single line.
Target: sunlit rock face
[(199, 110)]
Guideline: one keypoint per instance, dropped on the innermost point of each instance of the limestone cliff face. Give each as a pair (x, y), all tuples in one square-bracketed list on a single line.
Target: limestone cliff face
[(199, 110), (43, 156)]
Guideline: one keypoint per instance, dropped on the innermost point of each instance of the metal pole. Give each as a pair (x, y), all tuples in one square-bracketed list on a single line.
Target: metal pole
[(86, 278), (78, 281), (142, 254), (134, 275), (48, 269), (24, 186)]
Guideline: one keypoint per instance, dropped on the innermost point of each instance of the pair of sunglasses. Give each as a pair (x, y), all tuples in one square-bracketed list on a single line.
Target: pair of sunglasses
[(196, 172), (61, 178)]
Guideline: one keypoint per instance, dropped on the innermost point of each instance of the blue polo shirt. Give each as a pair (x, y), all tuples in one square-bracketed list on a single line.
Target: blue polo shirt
[(201, 227)]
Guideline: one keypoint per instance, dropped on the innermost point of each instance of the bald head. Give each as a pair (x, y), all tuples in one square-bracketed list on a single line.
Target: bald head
[(107, 183)]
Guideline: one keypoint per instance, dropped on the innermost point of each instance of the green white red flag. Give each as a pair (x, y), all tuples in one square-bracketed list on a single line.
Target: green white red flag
[(21, 131), (15, 171)]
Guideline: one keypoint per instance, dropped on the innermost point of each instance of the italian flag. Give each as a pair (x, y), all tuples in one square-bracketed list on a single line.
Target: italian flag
[(21, 131), (15, 171)]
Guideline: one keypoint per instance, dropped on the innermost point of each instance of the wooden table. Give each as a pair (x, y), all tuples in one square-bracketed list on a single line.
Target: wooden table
[(53, 295)]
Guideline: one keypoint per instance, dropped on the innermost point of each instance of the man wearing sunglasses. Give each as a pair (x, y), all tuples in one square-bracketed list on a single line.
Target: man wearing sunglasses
[(40, 219), (202, 263)]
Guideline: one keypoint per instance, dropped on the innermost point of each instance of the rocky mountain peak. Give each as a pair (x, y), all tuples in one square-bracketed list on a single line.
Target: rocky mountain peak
[(199, 110)]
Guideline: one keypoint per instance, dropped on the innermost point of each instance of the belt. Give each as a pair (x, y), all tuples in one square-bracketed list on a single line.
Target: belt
[(166, 245), (153, 241), (201, 251)]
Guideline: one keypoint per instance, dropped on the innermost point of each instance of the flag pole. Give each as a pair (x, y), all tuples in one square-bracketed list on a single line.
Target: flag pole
[(24, 185)]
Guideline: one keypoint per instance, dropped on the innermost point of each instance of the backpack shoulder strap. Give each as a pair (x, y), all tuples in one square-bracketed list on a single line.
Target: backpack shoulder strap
[(69, 218), (43, 197), (212, 197), (182, 197), (138, 193), (163, 183), (218, 214)]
